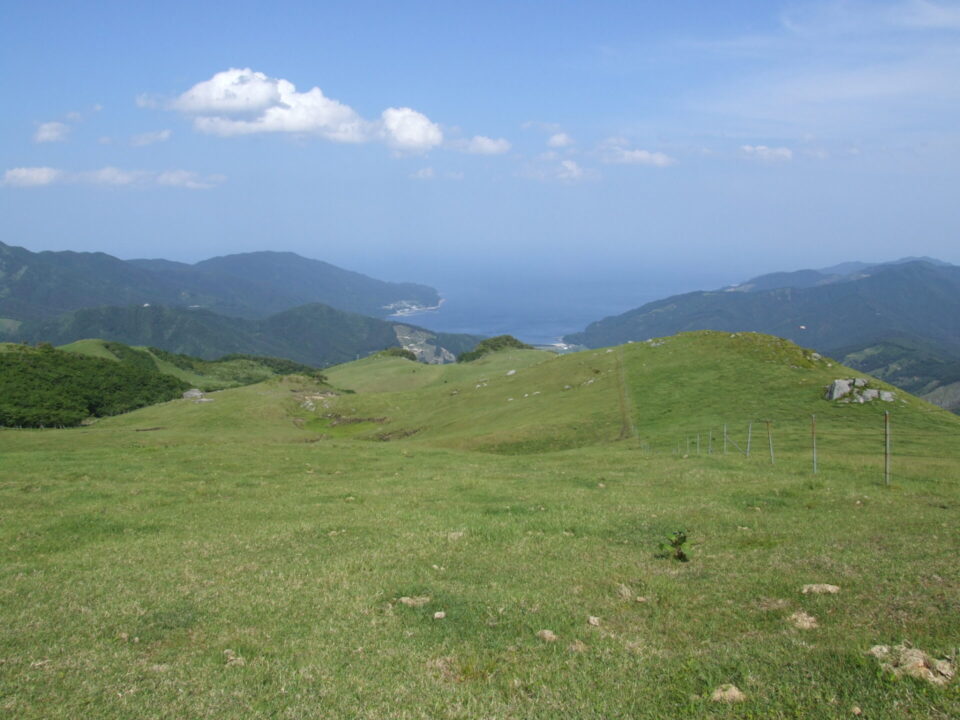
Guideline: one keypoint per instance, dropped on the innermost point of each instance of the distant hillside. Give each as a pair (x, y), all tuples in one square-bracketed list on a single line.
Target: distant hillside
[(900, 321), (316, 334), (35, 286)]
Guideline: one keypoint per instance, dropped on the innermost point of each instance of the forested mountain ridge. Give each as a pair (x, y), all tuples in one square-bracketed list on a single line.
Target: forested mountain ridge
[(253, 285), (314, 334)]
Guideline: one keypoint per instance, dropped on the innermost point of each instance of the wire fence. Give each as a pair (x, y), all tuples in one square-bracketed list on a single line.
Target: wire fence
[(817, 444)]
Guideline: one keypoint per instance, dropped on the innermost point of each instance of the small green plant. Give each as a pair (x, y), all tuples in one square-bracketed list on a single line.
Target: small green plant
[(673, 546)]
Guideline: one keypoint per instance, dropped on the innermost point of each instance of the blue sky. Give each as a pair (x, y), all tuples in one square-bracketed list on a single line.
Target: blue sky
[(682, 144)]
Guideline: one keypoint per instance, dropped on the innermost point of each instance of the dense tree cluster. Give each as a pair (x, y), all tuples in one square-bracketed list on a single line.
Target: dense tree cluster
[(500, 342), (44, 387)]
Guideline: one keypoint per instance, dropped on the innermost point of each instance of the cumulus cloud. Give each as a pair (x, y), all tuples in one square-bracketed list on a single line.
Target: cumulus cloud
[(481, 145), (40, 176), (31, 176), (617, 151), (559, 140), (769, 154), (51, 132), (407, 129), (241, 101), (149, 138), (235, 92)]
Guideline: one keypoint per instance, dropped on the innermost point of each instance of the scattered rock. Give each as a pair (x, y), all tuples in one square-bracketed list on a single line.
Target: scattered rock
[(728, 693), (193, 394), (416, 601), (856, 390), (547, 636), (577, 646), (905, 660), (624, 591), (803, 621), (820, 589), (856, 710), (439, 615), (593, 620), (511, 372), (456, 535), (642, 599)]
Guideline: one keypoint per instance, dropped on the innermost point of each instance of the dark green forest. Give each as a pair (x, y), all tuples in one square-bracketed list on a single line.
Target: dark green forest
[(45, 387)]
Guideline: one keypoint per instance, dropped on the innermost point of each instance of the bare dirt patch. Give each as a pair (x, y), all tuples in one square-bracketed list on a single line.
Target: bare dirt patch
[(728, 694), (803, 621), (906, 660), (415, 601)]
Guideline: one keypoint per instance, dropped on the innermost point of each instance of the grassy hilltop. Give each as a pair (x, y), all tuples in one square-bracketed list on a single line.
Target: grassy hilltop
[(283, 550)]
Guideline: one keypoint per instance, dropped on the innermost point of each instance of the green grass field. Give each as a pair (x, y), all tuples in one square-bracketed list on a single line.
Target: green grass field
[(247, 557)]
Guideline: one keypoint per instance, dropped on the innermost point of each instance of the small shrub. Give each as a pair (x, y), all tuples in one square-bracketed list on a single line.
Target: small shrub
[(672, 547)]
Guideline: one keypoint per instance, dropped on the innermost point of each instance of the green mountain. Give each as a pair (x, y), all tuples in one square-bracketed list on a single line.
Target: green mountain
[(314, 334), (900, 322), (253, 285)]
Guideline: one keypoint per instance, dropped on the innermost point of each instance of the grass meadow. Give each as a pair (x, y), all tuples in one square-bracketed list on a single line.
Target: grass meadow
[(253, 558)]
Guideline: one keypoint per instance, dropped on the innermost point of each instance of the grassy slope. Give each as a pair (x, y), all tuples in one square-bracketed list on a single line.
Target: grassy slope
[(659, 394), (130, 561), (217, 375)]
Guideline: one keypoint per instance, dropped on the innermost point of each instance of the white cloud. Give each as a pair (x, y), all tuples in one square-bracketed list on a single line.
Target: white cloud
[(569, 170), (31, 176), (188, 179), (149, 138), (426, 173), (407, 129), (617, 151), (481, 145), (51, 132), (111, 176), (234, 92), (241, 101), (559, 140), (768, 154), (39, 176)]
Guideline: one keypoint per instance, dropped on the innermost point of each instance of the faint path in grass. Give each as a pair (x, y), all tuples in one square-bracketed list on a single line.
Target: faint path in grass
[(627, 428)]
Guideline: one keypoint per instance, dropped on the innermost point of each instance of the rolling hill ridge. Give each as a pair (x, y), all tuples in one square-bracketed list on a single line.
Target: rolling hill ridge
[(900, 322)]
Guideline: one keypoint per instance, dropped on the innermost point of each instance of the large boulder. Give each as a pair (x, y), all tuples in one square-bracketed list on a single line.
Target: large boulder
[(838, 389)]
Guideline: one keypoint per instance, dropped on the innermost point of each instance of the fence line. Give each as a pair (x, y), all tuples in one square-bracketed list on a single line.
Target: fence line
[(827, 442)]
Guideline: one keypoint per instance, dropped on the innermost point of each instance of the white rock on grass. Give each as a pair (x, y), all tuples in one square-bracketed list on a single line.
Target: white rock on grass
[(547, 636), (820, 589)]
